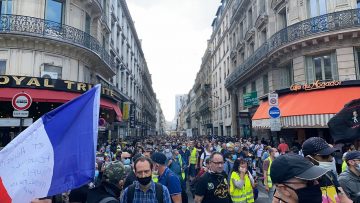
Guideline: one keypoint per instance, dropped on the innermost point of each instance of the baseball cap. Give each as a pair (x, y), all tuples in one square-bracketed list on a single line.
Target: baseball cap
[(317, 145), (290, 166), (114, 172), (352, 155), (159, 158)]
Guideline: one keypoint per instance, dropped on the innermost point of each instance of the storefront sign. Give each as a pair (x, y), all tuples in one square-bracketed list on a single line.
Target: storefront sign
[(126, 111), (315, 85), (132, 116), (250, 99), (50, 84)]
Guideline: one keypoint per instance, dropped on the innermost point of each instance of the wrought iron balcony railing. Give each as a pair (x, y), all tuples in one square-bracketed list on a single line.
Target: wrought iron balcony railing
[(26, 25), (310, 27)]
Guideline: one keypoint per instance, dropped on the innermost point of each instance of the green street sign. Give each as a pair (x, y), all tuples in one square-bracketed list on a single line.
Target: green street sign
[(250, 99)]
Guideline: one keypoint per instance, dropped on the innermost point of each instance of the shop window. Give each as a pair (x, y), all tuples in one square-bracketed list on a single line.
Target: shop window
[(6, 6), (53, 72), (316, 8), (2, 67), (55, 10), (322, 67)]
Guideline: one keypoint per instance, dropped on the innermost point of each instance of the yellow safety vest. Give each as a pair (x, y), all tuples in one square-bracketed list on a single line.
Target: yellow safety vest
[(244, 194), (343, 166), (193, 156), (155, 178), (269, 181), (181, 166)]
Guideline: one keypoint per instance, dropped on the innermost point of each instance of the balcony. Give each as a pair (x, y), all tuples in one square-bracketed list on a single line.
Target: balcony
[(312, 27), (36, 27)]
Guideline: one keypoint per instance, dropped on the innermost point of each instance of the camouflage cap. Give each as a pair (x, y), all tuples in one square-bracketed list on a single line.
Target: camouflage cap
[(114, 172)]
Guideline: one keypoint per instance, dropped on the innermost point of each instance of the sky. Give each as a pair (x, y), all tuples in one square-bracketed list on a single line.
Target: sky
[(174, 36)]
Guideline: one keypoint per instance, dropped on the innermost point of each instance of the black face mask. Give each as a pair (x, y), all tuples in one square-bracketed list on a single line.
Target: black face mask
[(145, 180), (309, 194)]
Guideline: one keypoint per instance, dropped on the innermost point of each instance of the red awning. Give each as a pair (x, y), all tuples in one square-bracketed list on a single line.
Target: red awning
[(39, 95), (327, 101)]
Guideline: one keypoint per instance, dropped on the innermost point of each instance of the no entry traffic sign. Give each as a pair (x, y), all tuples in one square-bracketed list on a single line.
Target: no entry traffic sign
[(21, 101)]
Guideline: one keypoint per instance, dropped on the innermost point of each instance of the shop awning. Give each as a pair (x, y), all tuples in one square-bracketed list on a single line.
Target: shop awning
[(308, 108), (52, 96)]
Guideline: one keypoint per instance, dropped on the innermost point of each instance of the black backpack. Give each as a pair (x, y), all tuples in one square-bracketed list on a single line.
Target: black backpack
[(158, 192)]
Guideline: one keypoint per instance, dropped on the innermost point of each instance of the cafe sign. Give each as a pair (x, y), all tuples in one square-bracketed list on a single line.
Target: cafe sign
[(315, 85)]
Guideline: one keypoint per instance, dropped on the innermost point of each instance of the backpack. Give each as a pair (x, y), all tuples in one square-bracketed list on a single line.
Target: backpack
[(108, 199), (159, 193)]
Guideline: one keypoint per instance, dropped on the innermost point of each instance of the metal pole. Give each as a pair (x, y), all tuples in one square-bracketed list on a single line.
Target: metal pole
[(21, 124)]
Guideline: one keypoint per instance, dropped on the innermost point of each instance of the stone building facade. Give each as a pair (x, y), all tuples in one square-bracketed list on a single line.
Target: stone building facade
[(56, 49), (304, 50)]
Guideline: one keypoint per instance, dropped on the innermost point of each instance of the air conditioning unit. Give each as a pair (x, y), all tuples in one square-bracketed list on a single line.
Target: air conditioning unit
[(46, 74)]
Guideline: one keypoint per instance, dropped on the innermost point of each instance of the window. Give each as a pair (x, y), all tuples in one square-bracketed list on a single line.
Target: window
[(357, 61), (261, 6), (87, 23), (251, 48), (244, 90), (317, 7), (263, 36), (241, 31), (266, 83), (250, 22), (358, 3), (282, 19), (87, 74), (54, 10), (2, 67), (253, 86), (6, 6), (53, 72), (322, 67), (286, 79)]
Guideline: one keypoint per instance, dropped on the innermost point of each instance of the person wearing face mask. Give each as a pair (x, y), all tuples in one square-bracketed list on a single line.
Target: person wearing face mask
[(185, 154), (241, 183), (229, 163), (270, 189), (295, 179), (350, 178), (320, 153), (144, 189), (167, 151), (212, 186)]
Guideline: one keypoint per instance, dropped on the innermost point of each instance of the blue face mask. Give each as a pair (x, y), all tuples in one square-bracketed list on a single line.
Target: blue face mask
[(236, 148), (126, 162), (234, 157), (183, 147)]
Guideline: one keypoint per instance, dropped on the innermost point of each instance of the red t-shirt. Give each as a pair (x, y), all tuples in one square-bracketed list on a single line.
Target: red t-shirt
[(283, 147)]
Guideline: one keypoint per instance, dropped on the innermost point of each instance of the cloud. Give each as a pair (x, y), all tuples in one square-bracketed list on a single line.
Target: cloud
[(174, 36)]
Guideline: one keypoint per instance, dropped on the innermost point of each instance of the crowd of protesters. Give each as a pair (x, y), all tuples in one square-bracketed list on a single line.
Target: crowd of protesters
[(211, 169)]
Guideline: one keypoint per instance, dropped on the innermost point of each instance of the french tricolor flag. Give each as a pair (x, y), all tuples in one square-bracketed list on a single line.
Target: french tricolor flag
[(53, 155)]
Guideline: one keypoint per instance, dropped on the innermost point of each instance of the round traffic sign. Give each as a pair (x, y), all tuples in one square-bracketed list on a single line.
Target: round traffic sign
[(274, 112), (21, 101), (273, 101)]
